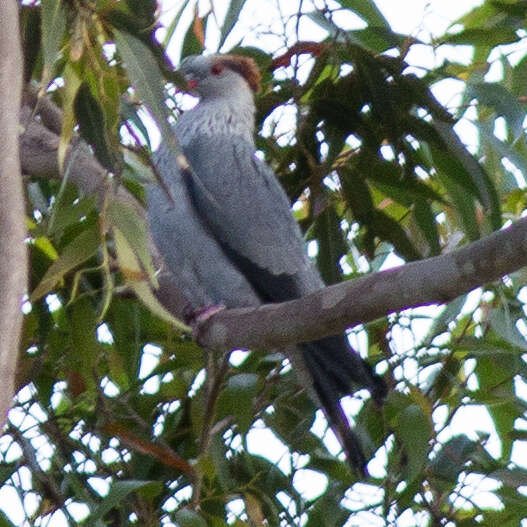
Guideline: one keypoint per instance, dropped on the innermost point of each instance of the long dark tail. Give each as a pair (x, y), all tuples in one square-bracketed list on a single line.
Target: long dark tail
[(337, 371)]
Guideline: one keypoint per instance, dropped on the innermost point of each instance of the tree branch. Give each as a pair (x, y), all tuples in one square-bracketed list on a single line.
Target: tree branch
[(333, 309), (330, 310), (13, 259)]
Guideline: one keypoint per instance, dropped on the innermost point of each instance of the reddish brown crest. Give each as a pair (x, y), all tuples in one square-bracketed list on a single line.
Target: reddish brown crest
[(245, 66)]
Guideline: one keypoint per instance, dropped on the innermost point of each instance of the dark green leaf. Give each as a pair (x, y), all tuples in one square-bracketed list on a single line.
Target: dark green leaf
[(414, 429), (192, 43), (145, 76), (502, 101), (92, 126), (118, 492), (426, 221), (367, 10), (450, 460), (133, 227), (376, 39), (78, 251), (30, 25), (496, 377), (441, 322), (237, 399), (6, 471), (5, 521), (460, 166), (390, 230), (53, 27), (519, 77), (504, 325), (483, 37), (189, 518), (331, 245)]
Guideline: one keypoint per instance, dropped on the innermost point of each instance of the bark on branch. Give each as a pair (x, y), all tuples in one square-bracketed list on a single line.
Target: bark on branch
[(329, 311), (13, 261)]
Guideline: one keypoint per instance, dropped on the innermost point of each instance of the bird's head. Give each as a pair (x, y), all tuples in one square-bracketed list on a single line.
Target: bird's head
[(220, 75)]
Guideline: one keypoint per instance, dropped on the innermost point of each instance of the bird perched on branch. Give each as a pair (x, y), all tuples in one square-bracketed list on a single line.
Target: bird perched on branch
[(230, 239)]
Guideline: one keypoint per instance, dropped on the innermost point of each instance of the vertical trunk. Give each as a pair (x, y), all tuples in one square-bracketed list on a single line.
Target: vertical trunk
[(13, 260)]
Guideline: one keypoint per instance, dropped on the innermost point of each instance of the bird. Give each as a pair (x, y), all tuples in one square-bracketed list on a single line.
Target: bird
[(228, 236)]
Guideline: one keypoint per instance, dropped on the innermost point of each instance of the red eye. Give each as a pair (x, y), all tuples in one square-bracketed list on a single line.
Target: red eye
[(216, 69)]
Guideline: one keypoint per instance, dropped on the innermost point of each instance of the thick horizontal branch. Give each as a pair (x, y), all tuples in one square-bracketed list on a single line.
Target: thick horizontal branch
[(332, 309)]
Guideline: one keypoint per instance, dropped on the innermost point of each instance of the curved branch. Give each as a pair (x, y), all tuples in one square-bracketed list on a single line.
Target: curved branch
[(13, 259), (334, 308)]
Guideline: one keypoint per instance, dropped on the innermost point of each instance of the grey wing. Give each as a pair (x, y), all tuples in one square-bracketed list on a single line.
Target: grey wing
[(249, 214), (197, 263)]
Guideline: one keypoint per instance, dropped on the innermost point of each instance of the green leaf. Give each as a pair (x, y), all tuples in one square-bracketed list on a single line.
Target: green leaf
[(78, 251), (134, 273), (331, 245), (377, 39), (145, 76), (325, 512), (129, 112), (462, 168), (502, 101), (68, 214), (367, 10), (441, 322), (5, 521), (6, 471), (189, 518), (414, 429), (118, 492), (504, 150), (91, 121), (325, 23), (133, 227), (405, 189), (170, 30), (84, 350), (519, 77), (482, 37), (463, 200), (495, 374), (53, 27), (237, 399), (192, 45), (504, 325), (31, 36), (73, 82), (451, 459), (386, 228), (425, 219), (232, 16)]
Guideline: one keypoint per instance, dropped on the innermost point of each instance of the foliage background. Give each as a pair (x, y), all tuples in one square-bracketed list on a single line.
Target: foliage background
[(120, 420)]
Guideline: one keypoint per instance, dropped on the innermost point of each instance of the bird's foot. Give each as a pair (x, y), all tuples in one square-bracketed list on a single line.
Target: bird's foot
[(194, 317)]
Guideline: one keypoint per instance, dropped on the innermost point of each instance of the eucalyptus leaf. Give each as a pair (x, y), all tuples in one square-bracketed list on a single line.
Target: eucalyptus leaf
[(83, 247), (53, 28), (145, 75), (232, 16)]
